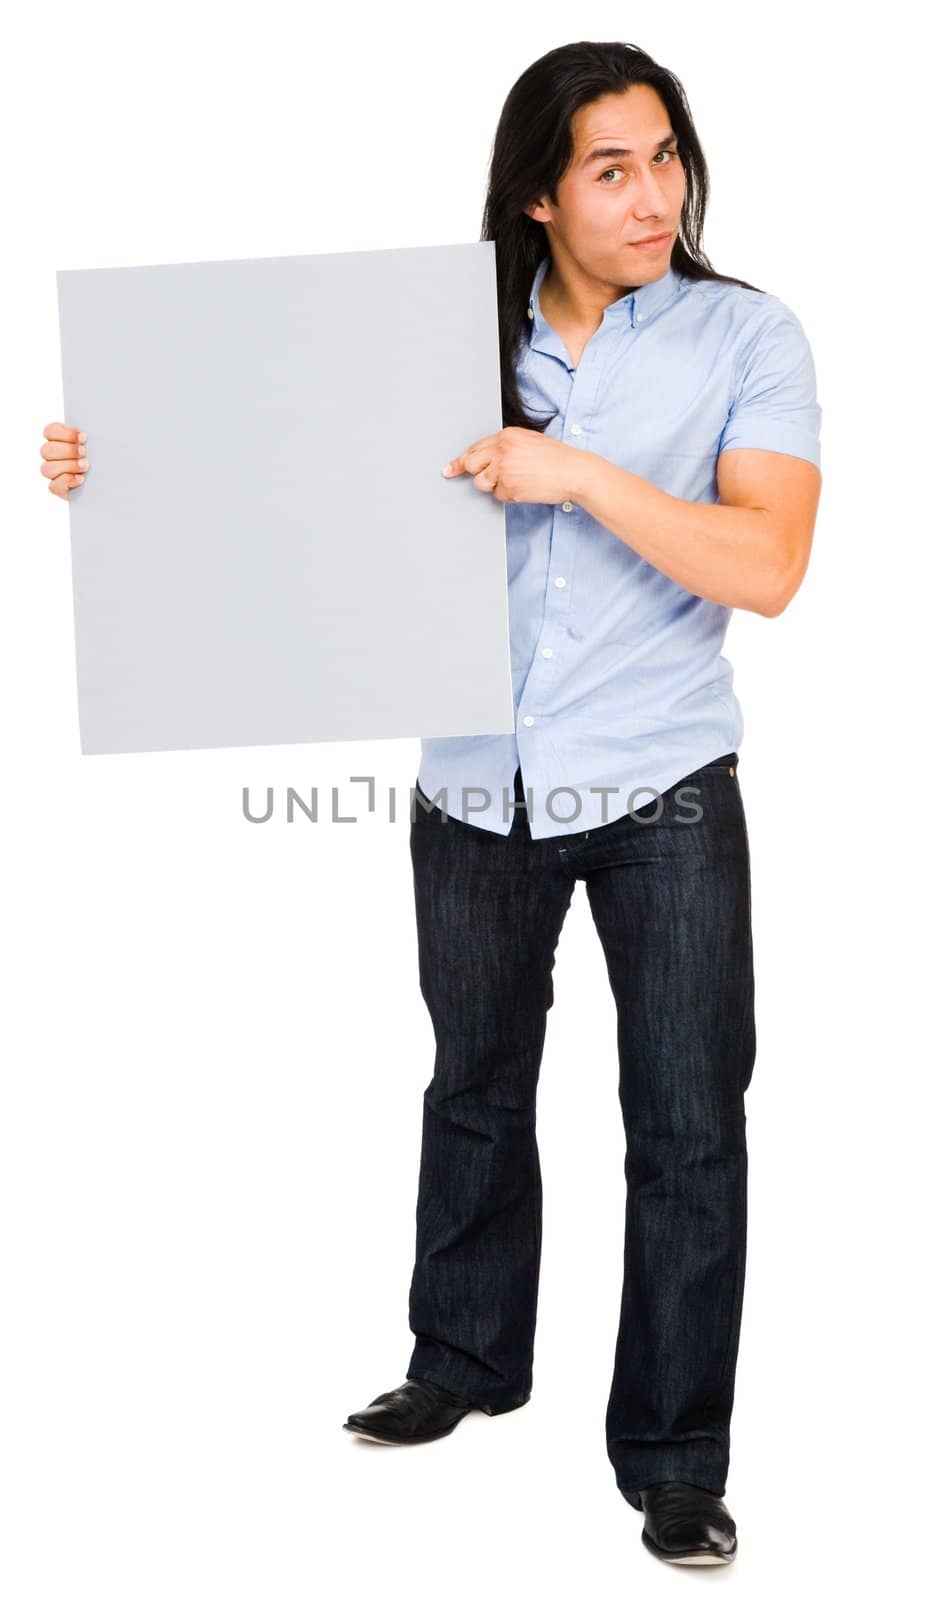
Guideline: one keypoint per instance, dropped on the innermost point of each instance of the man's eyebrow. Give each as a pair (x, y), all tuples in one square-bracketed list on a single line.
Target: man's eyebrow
[(608, 152)]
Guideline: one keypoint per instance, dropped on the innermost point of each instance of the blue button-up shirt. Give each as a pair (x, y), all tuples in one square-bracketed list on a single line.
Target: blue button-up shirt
[(620, 685)]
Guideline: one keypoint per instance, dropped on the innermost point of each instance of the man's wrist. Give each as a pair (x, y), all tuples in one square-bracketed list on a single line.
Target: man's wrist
[(581, 473)]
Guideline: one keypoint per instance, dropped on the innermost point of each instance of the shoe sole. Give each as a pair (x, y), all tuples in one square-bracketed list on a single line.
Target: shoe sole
[(424, 1438)]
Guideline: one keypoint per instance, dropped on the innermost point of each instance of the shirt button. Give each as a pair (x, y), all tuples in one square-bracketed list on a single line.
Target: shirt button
[(639, 316), (530, 312), (528, 722), (575, 428), (560, 583), (547, 651), (567, 505)]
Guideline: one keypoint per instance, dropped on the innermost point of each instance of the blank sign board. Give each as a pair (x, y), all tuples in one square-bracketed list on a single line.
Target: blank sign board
[(265, 550)]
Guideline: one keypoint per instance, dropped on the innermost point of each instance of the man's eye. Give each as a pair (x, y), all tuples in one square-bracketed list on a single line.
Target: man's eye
[(672, 153)]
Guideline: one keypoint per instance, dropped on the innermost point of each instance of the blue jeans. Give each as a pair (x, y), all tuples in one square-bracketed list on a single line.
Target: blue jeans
[(670, 899)]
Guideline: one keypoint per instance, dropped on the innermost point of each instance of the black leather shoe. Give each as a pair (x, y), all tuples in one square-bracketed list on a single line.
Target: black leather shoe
[(414, 1413), (685, 1523)]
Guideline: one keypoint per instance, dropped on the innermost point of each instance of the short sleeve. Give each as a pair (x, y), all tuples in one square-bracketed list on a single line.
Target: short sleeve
[(774, 406)]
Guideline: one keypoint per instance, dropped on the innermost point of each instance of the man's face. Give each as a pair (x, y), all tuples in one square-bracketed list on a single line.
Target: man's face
[(606, 202)]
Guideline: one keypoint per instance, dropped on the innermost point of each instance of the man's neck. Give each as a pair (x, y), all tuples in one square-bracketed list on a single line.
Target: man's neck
[(579, 305)]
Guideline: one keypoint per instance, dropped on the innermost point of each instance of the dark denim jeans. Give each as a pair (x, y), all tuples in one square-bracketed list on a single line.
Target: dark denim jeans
[(671, 903)]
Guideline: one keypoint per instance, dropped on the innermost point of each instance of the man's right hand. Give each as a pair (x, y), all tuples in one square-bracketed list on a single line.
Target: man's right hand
[(63, 459)]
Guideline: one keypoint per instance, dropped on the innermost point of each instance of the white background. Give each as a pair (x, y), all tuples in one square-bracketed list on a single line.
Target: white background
[(215, 1047)]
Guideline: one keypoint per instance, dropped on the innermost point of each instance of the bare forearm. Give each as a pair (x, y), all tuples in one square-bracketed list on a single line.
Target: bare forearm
[(732, 555)]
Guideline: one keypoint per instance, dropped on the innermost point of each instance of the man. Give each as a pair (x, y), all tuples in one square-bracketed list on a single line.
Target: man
[(665, 470)]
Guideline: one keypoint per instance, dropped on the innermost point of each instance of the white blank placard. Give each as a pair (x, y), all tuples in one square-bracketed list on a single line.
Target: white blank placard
[(265, 550)]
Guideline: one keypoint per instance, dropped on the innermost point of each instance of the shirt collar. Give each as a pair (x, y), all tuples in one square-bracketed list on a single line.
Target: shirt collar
[(633, 309)]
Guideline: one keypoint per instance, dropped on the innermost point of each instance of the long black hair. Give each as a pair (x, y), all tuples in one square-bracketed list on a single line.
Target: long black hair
[(532, 148)]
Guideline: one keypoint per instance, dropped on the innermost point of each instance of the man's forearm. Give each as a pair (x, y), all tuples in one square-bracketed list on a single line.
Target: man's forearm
[(733, 555)]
